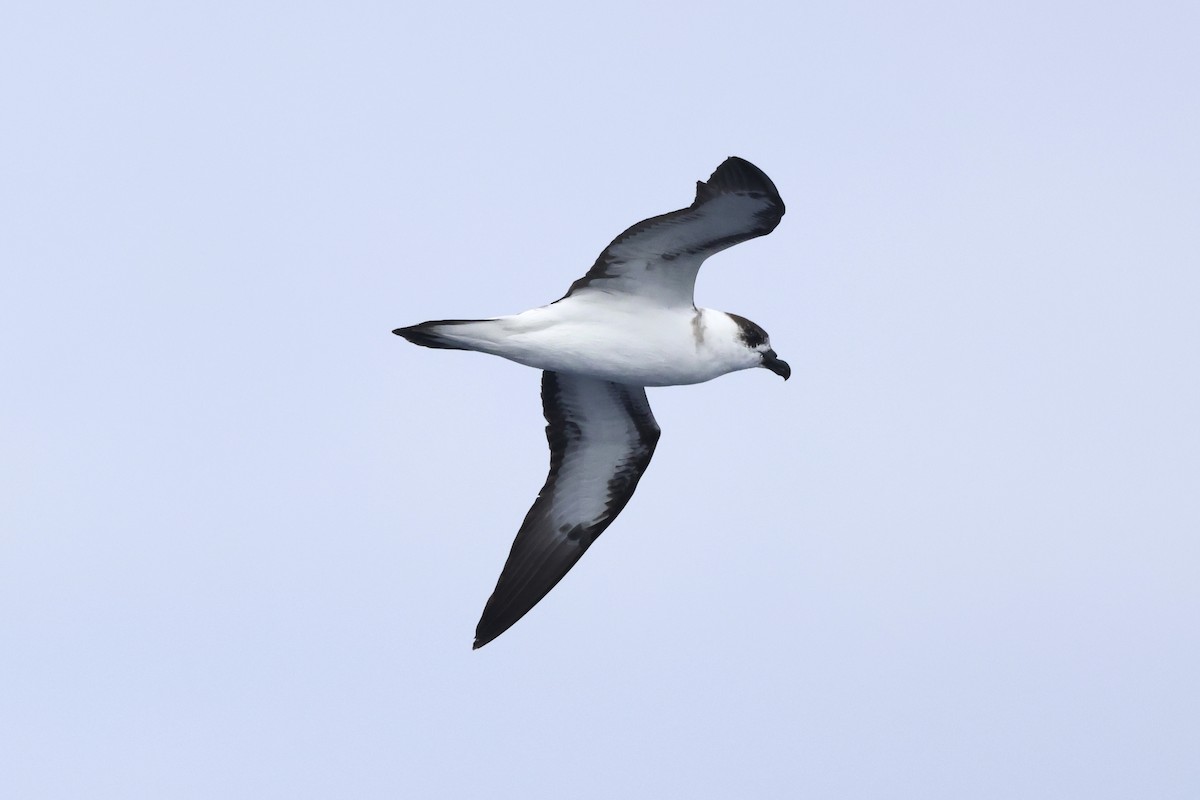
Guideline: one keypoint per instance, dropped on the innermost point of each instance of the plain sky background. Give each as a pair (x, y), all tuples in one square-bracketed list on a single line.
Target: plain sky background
[(247, 532)]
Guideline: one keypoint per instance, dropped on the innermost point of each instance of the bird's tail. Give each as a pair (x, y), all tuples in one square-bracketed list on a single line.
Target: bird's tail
[(439, 333)]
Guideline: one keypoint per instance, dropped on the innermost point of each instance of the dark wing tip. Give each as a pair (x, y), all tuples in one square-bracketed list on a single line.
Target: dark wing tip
[(738, 176), (492, 623), (496, 621), (531, 571)]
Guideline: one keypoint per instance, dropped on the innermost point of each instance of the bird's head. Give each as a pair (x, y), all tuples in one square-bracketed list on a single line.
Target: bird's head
[(756, 345)]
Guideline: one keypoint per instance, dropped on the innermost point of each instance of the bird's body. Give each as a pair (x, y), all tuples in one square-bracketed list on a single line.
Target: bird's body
[(629, 323), (623, 339)]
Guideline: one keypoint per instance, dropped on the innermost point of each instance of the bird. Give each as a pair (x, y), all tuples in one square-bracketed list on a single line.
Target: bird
[(630, 322)]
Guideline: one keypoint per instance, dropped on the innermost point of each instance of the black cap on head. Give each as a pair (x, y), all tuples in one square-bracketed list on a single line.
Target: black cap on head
[(751, 333)]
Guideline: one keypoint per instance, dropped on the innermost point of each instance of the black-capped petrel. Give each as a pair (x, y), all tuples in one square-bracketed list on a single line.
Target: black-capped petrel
[(629, 323)]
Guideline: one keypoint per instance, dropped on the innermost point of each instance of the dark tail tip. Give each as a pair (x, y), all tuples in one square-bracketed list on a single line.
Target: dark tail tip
[(426, 335)]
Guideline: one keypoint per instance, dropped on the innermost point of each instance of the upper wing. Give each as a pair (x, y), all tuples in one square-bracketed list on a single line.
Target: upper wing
[(601, 437), (659, 257)]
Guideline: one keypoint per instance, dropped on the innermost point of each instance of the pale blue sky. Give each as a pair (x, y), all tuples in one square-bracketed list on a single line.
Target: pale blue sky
[(247, 532)]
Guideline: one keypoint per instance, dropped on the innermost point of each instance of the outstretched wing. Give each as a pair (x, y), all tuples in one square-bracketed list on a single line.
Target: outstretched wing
[(601, 437), (659, 257)]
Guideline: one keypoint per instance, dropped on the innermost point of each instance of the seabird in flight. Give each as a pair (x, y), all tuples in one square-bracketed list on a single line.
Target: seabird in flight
[(629, 323)]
